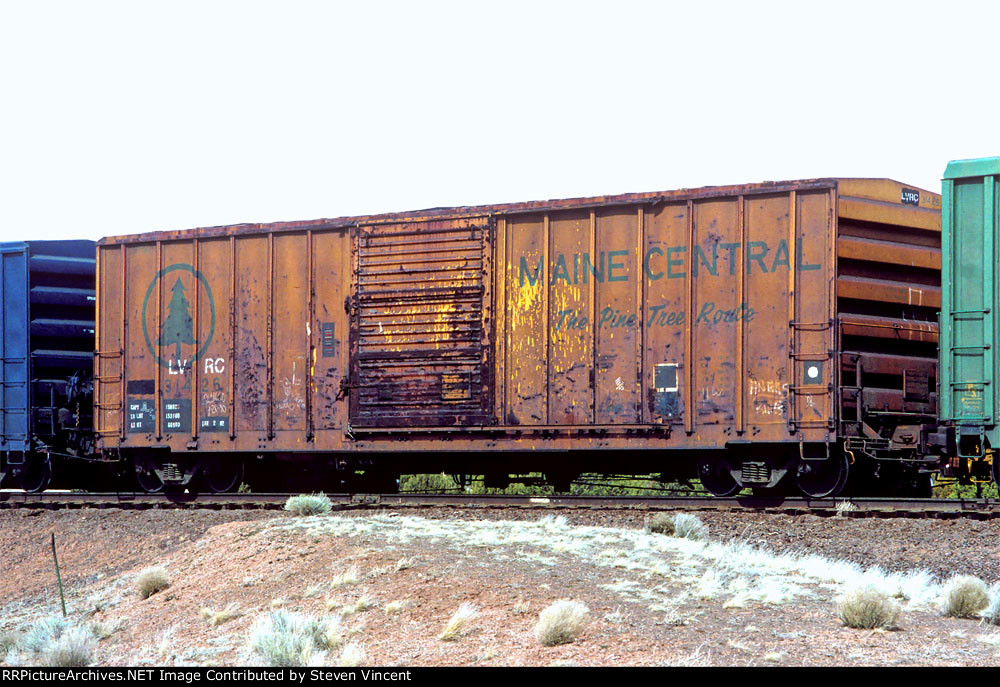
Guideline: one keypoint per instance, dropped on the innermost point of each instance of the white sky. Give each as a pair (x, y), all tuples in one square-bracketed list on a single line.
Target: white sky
[(125, 117)]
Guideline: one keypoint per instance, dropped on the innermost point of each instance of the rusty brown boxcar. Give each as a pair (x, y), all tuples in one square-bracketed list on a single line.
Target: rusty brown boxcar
[(747, 335)]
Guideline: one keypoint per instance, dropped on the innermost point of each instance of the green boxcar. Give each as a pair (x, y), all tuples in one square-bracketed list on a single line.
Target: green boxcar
[(969, 347)]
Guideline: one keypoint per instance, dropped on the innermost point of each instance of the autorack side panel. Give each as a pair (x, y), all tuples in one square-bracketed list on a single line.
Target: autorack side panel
[(888, 294), (47, 288), (14, 366), (970, 398)]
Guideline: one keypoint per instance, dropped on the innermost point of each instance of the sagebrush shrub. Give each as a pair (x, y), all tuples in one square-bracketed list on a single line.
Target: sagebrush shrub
[(964, 597), (288, 640), (868, 609), (309, 504), (152, 580), (44, 632), (689, 526), (561, 622), (9, 640), (73, 648)]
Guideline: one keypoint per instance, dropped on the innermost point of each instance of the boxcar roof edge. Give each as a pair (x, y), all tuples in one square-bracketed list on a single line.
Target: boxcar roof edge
[(500, 209)]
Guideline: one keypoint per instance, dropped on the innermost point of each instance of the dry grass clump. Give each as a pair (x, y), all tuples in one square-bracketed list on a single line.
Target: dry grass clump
[(964, 597), (151, 580), (844, 507), (459, 620), (349, 576), (216, 618), (362, 603), (561, 622), (991, 615), (394, 607), (868, 609), (103, 630), (309, 504), (352, 656), (682, 525), (661, 523)]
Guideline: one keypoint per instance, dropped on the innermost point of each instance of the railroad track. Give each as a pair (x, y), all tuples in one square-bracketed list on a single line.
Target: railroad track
[(983, 509)]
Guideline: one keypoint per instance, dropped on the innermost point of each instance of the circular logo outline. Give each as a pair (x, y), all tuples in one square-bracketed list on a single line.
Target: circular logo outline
[(211, 303)]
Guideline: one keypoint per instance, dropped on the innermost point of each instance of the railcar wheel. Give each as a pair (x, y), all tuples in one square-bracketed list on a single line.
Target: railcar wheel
[(996, 469), (148, 480), (221, 476), (36, 475), (715, 477), (821, 478)]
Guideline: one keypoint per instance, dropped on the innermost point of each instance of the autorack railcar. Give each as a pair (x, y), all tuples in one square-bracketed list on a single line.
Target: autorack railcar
[(968, 432), (47, 343)]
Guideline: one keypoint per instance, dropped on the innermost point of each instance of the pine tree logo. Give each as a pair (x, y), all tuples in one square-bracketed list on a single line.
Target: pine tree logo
[(176, 329)]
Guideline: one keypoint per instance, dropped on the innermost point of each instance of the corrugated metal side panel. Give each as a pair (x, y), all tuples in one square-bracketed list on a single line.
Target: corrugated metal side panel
[(224, 343), (14, 370), (696, 314), (419, 337), (969, 351)]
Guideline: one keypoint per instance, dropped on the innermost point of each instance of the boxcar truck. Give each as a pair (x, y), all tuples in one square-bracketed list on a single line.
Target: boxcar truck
[(748, 336), (969, 352), (47, 339)]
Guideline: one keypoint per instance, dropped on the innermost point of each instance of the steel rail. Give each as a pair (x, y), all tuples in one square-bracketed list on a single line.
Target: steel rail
[(984, 508)]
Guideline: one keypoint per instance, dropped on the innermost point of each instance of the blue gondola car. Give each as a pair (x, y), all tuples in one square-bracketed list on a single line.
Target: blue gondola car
[(47, 346)]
